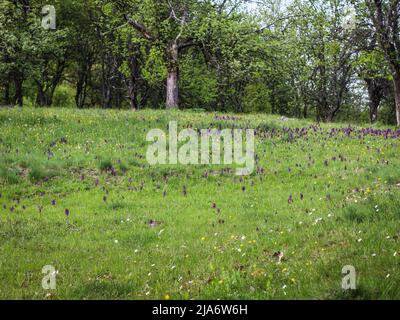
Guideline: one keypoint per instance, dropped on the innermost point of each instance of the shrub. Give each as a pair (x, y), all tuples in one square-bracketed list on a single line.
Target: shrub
[(63, 97)]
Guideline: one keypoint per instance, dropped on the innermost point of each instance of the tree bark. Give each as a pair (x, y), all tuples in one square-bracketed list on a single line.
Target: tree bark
[(44, 97), (41, 98), (132, 79), (375, 95), (18, 98), (7, 92), (172, 94), (84, 74), (386, 21), (322, 99), (172, 79), (80, 96), (396, 81), (305, 111), (47, 87)]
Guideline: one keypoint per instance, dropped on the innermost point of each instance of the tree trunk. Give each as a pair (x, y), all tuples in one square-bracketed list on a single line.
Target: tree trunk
[(131, 80), (47, 85), (305, 107), (328, 117), (44, 98), (132, 94), (80, 96), (396, 81), (172, 80), (115, 83), (386, 22), (107, 64), (375, 95), (322, 98), (83, 82), (40, 98), (7, 92), (18, 98)]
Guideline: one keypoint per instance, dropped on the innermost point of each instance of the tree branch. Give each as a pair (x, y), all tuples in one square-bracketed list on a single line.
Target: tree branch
[(139, 27)]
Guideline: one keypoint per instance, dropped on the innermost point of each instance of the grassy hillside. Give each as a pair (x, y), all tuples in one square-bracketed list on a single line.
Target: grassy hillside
[(325, 196)]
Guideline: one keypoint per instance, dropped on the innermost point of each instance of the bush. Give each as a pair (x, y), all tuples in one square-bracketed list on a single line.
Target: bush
[(63, 97), (257, 98)]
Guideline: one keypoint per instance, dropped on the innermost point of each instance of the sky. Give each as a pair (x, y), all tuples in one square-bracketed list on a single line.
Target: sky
[(254, 5)]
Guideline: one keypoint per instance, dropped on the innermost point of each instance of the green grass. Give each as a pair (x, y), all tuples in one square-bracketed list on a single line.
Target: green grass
[(92, 162)]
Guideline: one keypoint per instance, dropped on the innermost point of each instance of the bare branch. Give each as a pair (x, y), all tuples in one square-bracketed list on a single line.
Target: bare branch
[(139, 27)]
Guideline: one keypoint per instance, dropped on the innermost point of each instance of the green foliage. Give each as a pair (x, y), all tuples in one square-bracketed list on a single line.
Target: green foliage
[(306, 59), (372, 64), (26, 49), (63, 96), (198, 84), (257, 98)]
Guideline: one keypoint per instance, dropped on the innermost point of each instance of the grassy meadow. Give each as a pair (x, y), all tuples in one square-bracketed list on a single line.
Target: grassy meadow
[(325, 196)]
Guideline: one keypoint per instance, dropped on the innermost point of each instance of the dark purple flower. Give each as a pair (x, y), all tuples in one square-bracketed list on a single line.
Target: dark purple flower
[(290, 200), (67, 212), (53, 202)]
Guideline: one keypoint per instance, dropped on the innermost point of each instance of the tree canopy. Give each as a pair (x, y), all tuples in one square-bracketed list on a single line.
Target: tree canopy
[(327, 60)]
